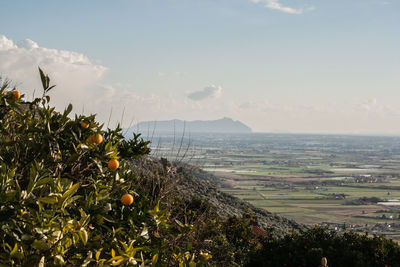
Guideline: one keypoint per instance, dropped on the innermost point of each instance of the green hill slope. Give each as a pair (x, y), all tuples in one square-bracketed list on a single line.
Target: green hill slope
[(196, 184)]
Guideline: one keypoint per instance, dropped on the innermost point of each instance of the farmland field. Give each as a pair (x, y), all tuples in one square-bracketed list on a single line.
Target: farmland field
[(350, 182)]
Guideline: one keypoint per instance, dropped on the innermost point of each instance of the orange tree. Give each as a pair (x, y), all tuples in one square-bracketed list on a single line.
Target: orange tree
[(60, 203)]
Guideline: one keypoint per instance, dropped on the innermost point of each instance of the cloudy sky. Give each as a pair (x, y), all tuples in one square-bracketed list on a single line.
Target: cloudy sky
[(300, 66)]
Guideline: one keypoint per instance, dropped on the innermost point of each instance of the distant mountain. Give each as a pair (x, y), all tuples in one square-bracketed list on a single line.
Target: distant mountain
[(224, 125)]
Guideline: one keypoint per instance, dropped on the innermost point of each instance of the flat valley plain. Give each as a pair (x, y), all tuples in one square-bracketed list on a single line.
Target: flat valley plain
[(342, 182)]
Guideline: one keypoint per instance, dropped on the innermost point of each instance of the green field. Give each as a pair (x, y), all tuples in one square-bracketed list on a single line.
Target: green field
[(330, 180)]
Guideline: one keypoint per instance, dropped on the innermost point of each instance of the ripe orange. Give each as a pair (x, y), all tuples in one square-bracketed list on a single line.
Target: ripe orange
[(324, 262), (96, 139), (16, 94), (127, 199), (84, 125), (113, 164)]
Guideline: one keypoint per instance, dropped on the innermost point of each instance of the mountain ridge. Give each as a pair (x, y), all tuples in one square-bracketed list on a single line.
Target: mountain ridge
[(223, 125)]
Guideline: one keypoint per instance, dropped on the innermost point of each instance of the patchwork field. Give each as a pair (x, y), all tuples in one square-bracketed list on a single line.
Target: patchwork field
[(349, 182)]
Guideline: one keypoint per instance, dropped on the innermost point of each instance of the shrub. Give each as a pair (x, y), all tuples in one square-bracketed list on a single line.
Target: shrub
[(60, 204), (306, 248)]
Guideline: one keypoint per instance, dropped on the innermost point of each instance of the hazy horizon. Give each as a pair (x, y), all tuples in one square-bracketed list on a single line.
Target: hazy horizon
[(279, 66), (154, 130)]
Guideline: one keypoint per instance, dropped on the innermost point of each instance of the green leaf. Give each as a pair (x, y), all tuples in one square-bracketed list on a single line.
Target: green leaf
[(48, 127), (51, 87), (145, 233), (84, 236), (70, 192), (40, 245), (49, 200), (8, 246), (112, 253), (14, 250), (84, 218), (44, 181), (154, 260), (67, 110), (60, 259), (98, 164), (44, 79), (98, 253), (18, 189), (118, 262), (31, 185), (69, 200), (179, 223)]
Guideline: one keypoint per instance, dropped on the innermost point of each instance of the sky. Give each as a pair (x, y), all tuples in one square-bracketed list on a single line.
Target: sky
[(290, 66)]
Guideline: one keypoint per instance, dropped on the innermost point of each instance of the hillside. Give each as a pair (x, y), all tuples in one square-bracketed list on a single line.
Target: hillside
[(75, 194), (195, 184), (191, 182), (224, 125)]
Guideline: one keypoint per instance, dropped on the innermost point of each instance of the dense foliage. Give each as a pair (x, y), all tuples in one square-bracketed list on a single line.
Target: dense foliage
[(61, 186), (306, 248), (60, 199)]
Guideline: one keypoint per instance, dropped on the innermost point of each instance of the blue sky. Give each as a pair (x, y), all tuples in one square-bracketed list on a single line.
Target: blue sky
[(317, 66)]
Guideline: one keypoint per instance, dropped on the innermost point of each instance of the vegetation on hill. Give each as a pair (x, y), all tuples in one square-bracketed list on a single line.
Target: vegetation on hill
[(197, 182), (306, 248), (75, 194), (70, 195)]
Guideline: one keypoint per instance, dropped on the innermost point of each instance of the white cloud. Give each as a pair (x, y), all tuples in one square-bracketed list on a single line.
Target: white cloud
[(72, 72), (27, 44), (211, 91), (6, 44), (276, 5), (80, 81)]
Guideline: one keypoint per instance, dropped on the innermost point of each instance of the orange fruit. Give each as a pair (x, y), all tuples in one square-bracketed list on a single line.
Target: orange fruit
[(16, 94), (113, 164), (127, 199), (96, 139), (84, 125)]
